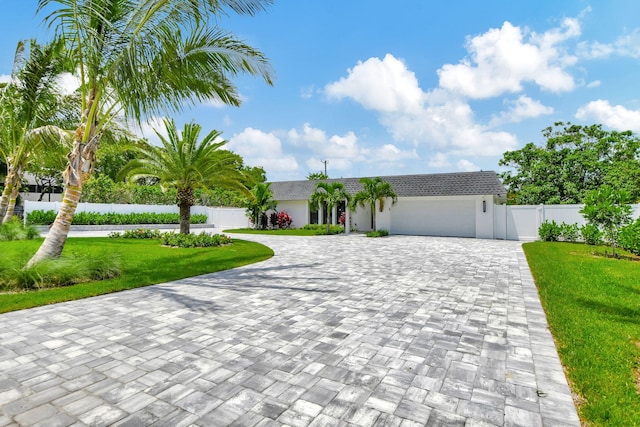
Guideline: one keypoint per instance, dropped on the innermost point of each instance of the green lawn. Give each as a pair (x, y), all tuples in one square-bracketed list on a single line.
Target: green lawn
[(287, 232), (593, 308), (143, 263)]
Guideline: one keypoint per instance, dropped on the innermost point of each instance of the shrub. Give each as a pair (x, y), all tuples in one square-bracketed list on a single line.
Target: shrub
[(377, 233), (110, 218), (138, 233), (201, 240), (629, 237), (321, 229), (591, 234), (15, 230), (569, 232), (284, 220), (549, 231)]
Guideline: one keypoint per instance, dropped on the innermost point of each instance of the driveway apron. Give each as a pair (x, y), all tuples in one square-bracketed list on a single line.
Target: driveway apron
[(331, 331)]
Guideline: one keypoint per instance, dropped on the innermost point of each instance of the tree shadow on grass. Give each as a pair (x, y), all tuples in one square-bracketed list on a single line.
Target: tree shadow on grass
[(615, 312)]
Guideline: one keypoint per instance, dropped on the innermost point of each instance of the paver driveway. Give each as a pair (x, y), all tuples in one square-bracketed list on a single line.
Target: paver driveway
[(338, 330)]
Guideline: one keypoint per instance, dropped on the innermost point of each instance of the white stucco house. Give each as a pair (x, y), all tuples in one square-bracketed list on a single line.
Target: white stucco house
[(446, 204)]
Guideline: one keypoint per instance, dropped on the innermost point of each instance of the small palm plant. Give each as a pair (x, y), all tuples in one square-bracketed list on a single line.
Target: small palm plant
[(260, 201), (186, 164), (330, 194), (375, 189)]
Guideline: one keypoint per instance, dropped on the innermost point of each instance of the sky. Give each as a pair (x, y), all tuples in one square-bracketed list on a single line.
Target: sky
[(410, 87)]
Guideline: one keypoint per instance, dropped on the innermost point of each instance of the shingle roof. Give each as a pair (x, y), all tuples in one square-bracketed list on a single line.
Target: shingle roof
[(439, 184)]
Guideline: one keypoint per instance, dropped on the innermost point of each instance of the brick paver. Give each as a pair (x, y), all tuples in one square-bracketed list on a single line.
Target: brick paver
[(333, 330)]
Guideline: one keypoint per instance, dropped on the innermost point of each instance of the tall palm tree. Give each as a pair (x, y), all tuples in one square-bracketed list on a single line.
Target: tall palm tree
[(138, 58), (375, 189), (329, 194), (259, 201), (30, 105), (184, 163)]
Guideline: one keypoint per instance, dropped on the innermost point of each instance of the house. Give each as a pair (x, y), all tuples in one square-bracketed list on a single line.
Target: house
[(445, 204)]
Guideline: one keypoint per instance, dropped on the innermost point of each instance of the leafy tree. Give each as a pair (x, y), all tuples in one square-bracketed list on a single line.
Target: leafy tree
[(137, 58), (317, 176), (575, 159), (184, 163), (260, 201), (609, 209), (375, 189), (329, 194), (29, 107)]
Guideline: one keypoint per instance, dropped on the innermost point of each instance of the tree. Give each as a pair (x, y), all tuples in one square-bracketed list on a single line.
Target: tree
[(375, 189), (329, 194), (608, 209), (260, 201), (184, 163), (137, 58), (317, 176), (29, 107), (575, 160)]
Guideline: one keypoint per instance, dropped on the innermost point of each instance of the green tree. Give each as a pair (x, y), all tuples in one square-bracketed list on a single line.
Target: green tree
[(375, 190), (329, 194), (29, 110), (184, 163), (608, 209), (260, 200), (137, 58), (574, 160), (317, 176)]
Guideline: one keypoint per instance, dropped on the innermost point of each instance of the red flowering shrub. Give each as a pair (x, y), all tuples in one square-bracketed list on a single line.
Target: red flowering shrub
[(284, 220)]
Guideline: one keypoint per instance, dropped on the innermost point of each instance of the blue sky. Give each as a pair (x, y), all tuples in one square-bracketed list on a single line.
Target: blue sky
[(416, 86)]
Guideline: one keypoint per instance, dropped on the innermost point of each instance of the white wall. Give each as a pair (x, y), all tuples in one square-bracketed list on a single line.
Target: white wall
[(298, 210)]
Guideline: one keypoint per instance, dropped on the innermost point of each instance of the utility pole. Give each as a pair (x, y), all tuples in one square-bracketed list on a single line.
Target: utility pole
[(325, 166)]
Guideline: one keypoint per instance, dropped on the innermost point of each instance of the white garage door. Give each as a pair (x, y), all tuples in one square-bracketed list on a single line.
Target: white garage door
[(455, 218)]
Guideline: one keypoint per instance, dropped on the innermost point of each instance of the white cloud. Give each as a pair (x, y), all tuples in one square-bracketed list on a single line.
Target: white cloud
[(616, 117), (439, 160), (5, 78), (595, 83), (148, 127), (307, 92), (67, 83), (382, 85), (466, 166), (501, 60), (627, 45), (520, 109), (259, 148)]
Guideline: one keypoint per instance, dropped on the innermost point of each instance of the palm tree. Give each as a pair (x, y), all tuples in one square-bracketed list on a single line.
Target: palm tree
[(259, 202), (330, 194), (30, 105), (375, 189), (137, 58), (186, 164)]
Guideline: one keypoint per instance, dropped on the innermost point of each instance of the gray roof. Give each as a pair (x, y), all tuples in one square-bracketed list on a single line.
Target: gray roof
[(438, 184)]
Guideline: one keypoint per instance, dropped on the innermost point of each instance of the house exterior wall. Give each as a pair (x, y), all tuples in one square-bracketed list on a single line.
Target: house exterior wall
[(297, 209)]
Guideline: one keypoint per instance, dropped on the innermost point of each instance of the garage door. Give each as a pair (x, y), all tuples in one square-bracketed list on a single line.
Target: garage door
[(455, 218)]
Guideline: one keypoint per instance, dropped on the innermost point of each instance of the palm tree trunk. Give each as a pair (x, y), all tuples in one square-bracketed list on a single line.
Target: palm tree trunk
[(57, 236), (10, 193), (12, 203), (373, 216), (185, 218), (81, 162)]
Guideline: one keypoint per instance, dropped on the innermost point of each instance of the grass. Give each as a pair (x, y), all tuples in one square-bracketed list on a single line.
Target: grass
[(593, 308), (142, 263), (317, 231)]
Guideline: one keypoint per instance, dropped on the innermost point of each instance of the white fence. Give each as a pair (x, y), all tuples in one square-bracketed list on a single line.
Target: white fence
[(509, 222), (219, 217), (522, 222)]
